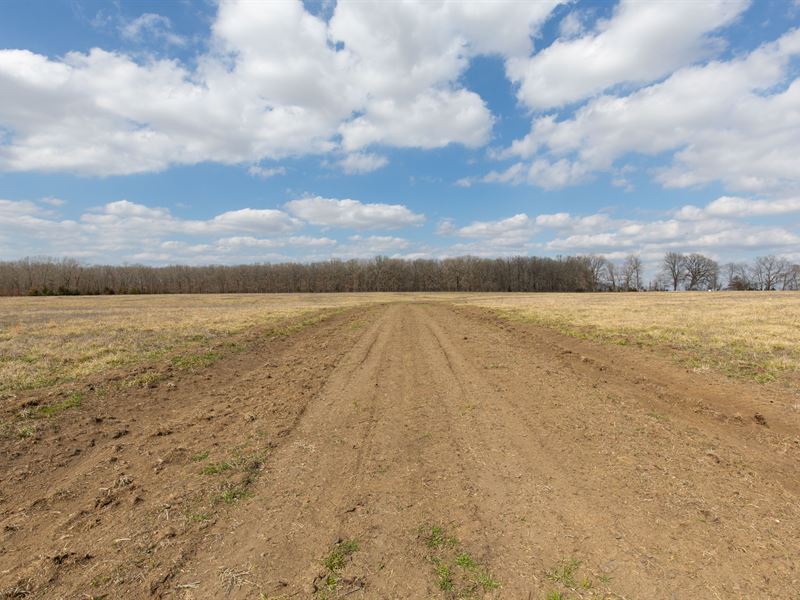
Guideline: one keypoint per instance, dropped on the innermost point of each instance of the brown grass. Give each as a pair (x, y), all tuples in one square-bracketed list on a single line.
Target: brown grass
[(755, 335), (49, 341)]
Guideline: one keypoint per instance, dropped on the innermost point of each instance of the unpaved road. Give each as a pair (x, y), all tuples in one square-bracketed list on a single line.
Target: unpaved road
[(368, 455)]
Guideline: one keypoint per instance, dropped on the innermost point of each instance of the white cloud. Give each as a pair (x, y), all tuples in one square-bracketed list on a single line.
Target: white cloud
[(126, 231), (511, 225), (130, 219), (730, 121), (737, 208), (152, 26), (276, 81), (238, 242), (571, 25), (445, 227), (123, 231), (374, 244), (432, 120), (248, 219), (18, 208), (362, 162), (264, 172), (329, 212), (641, 42), (714, 229)]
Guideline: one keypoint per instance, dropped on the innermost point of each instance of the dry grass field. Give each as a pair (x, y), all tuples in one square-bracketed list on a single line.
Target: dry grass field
[(441, 446), (754, 335), (47, 341)]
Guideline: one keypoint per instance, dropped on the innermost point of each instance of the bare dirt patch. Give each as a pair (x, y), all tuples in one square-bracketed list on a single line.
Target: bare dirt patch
[(410, 450)]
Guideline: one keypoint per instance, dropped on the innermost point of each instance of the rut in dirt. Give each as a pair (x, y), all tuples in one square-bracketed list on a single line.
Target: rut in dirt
[(535, 476)]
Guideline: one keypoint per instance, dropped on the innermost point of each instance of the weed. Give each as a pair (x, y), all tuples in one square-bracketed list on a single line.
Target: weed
[(200, 456), (486, 581), (143, 380), (234, 493), (555, 595), (335, 561), (195, 362), (565, 573), (437, 538), (26, 431), (199, 517), (445, 577), (455, 569), (50, 410), (216, 468), (465, 560)]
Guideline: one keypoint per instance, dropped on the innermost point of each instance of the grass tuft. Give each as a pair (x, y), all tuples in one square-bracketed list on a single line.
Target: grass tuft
[(234, 494), (455, 570), (337, 558), (51, 410), (565, 573), (216, 468)]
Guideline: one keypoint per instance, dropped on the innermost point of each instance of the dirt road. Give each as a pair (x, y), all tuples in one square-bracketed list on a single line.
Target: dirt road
[(413, 450)]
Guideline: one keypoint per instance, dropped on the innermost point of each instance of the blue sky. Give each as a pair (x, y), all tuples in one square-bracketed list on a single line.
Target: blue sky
[(225, 132)]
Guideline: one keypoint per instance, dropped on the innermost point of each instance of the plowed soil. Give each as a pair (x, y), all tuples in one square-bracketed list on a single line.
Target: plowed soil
[(411, 450)]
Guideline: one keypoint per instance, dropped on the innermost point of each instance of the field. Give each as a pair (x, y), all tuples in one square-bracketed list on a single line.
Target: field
[(546, 446), (742, 334), (46, 341)]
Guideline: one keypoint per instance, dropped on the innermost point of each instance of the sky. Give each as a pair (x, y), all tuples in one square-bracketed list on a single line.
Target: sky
[(227, 132)]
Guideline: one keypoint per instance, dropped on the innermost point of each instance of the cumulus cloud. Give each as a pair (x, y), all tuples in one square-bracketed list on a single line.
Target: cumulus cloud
[(519, 222), (330, 212), (718, 228), (128, 231), (733, 207), (374, 244), (265, 172), (665, 36), (362, 162), (151, 26), (730, 121), (277, 81)]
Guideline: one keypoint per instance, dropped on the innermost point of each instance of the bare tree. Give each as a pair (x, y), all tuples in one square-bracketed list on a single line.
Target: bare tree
[(701, 271), (791, 279), (597, 265), (612, 275), (632, 273), (738, 275), (46, 276), (769, 270), (674, 269)]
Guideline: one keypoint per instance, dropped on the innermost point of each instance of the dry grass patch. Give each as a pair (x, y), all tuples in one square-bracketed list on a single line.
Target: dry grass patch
[(755, 335), (49, 341)]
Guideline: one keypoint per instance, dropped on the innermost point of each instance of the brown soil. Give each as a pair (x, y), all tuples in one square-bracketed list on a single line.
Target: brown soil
[(424, 433)]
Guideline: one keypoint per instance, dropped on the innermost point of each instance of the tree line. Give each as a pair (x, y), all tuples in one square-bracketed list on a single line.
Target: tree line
[(699, 272), (48, 276)]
